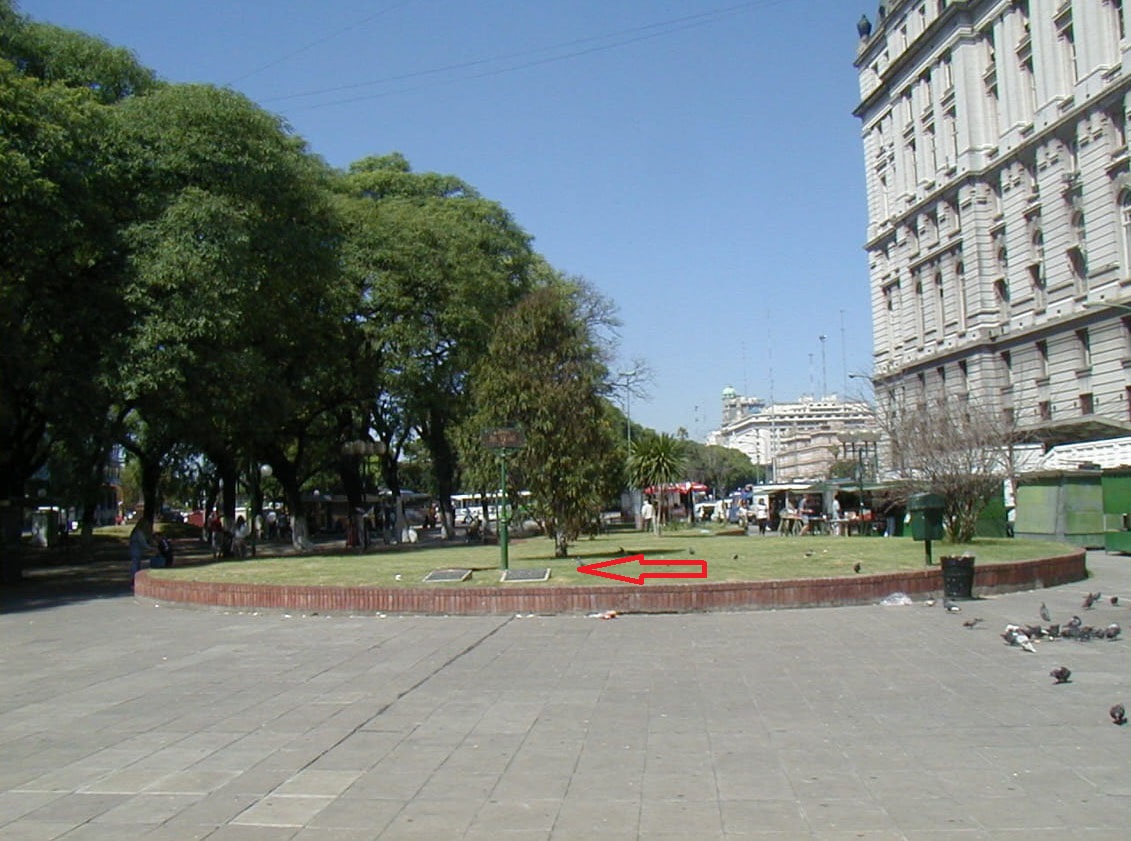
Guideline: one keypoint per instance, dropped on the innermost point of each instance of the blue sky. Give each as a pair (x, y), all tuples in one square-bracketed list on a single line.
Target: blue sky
[(696, 160)]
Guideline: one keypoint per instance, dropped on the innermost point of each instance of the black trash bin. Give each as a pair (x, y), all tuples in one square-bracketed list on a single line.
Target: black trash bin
[(958, 577)]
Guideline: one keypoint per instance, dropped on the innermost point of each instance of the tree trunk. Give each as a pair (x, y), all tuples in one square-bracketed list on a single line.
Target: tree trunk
[(11, 543), (443, 467), (286, 473), (150, 478)]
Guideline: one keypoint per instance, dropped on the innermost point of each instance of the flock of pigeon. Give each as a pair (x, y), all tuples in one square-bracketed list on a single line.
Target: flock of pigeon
[(1024, 637)]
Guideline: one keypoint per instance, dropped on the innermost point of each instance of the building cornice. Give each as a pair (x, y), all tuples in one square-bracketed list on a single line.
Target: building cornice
[(914, 50)]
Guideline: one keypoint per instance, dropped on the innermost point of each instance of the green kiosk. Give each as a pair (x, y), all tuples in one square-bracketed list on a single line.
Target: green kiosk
[(1116, 485)]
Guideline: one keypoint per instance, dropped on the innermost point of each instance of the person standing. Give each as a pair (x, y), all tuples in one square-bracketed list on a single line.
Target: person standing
[(647, 513), (141, 543), (762, 514)]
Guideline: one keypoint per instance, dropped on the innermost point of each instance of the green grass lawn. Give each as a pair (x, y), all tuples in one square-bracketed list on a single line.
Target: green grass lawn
[(729, 557)]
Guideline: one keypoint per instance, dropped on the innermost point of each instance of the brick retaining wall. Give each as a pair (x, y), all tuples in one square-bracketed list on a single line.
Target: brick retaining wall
[(628, 598)]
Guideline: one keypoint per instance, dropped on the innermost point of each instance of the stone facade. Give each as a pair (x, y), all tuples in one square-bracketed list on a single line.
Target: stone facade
[(999, 210), (799, 440)]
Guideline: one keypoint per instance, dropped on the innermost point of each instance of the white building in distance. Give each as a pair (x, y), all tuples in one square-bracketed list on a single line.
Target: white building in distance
[(799, 441), (999, 214)]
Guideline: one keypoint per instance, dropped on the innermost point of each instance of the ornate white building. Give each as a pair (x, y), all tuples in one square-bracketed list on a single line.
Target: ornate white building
[(800, 441), (999, 211)]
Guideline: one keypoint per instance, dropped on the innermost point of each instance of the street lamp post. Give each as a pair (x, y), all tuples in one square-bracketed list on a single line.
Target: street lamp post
[(505, 441)]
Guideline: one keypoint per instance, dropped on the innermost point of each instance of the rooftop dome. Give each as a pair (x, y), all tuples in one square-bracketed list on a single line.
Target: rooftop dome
[(729, 392)]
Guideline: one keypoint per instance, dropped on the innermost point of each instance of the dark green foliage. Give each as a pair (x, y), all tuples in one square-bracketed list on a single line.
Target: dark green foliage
[(544, 372)]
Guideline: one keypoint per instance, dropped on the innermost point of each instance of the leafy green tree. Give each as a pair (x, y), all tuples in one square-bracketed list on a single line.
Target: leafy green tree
[(544, 371), (240, 318), (657, 460), (433, 264), (722, 468), (74, 59), (61, 254)]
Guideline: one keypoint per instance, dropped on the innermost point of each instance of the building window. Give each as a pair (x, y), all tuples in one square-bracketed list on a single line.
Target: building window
[(1084, 348), (1044, 410), (1066, 43), (920, 319), (1037, 269), (1025, 67), (1001, 292), (1127, 391), (1042, 359), (1116, 132), (1087, 404), (992, 97), (930, 150), (1001, 253), (1078, 266), (1125, 222), (1008, 417), (950, 138), (960, 286), (940, 303), (1006, 369)]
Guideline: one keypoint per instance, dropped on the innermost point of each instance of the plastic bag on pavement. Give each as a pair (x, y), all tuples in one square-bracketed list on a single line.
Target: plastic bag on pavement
[(896, 600)]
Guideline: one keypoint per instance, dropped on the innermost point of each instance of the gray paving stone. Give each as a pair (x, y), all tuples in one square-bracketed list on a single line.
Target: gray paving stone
[(119, 719)]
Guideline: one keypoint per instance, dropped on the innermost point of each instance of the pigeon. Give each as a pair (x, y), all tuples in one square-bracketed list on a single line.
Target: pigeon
[(1118, 715), (1074, 622), (1014, 635), (1112, 631), (1114, 601), (950, 606), (809, 554), (734, 557), (1061, 674), (856, 567), (970, 623), (1053, 631), (1090, 600), (1045, 616)]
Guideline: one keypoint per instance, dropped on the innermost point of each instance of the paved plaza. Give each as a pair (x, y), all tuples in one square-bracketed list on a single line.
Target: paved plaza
[(123, 719)]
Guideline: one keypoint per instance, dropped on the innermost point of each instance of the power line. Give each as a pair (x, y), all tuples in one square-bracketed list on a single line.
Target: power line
[(316, 42), (620, 38)]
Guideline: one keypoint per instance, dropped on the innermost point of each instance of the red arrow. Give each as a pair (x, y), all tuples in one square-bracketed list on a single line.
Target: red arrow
[(599, 569)]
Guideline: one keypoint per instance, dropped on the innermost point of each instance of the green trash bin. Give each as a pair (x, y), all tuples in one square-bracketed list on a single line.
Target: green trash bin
[(926, 511)]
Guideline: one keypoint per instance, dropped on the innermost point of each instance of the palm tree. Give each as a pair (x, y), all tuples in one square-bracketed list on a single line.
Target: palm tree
[(656, 460)]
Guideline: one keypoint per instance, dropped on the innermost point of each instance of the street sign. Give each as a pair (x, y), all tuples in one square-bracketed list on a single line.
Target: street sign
[(503, 438)]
